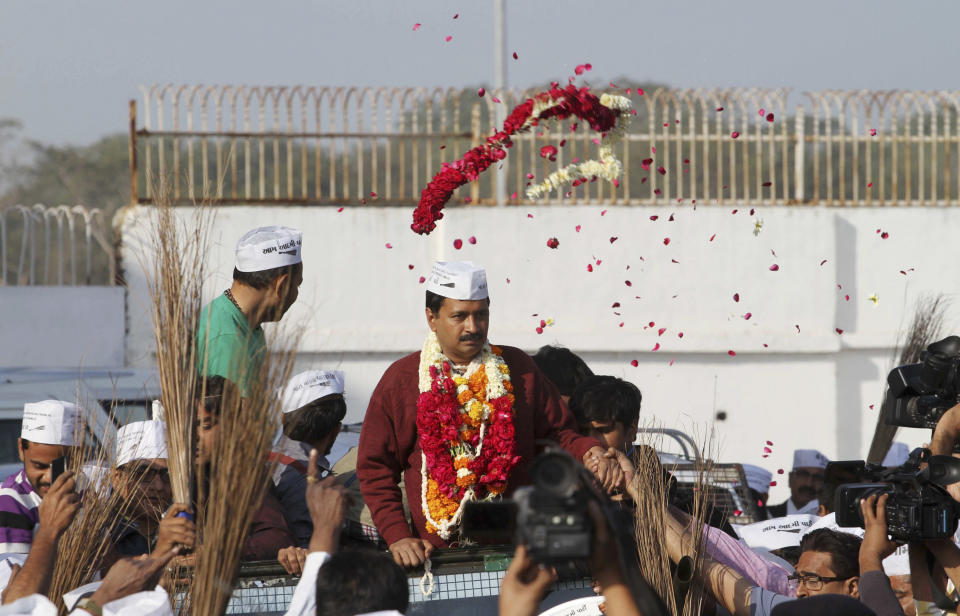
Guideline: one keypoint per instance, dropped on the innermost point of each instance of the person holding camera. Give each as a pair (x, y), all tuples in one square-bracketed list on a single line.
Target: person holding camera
[(460, 421)]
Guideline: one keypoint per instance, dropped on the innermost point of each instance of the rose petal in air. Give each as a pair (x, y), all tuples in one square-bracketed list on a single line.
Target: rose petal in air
[(539, 330), (680, 335), (553, 243), (734, 134), (481, 91), (736, 297), (654, 217), (589, 267), (661, 330), (603, 212), (666, 241), (515, 56), (628, 283), (388, 245), (767, 184), (747, 316), (713, 236), (839, 331), (656, 347), (822, 262), (422, 279), (410, 266), (719, 108), (613, 239), (769, 117), (495, 99), (767, 450), (732, 353), (762, 112), (457, 15), (774, 268), (873, 132), (339, 209), (661, 170), (416, 27), (472, 239), (884, 235), (449, 38), (634, 363), (458, 243)]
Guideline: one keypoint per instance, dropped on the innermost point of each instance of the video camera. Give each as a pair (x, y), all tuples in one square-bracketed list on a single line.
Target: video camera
[(549, 516), (919, 506), (919, 394)]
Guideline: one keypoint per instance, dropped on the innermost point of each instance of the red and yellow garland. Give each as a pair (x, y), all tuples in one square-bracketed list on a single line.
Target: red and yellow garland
[(466, 433)]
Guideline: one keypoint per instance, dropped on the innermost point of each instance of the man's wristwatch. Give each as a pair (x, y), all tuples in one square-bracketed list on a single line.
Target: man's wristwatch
[(89, 605)]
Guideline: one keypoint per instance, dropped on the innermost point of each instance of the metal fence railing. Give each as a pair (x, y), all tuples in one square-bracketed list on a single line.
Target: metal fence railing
[(63, 245), (226, 144)]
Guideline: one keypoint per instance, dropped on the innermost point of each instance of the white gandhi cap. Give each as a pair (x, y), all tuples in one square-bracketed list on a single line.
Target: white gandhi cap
[(141, 440), (265, 248), (758, 479), (50, 422), (308, 386), (809, 458), (458, 280)]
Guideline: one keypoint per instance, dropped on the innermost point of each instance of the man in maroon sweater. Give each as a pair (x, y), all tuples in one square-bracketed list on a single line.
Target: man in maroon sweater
[(458, 314)]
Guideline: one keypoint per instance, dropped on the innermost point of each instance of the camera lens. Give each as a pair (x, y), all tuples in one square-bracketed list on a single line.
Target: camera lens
[(555, 474)]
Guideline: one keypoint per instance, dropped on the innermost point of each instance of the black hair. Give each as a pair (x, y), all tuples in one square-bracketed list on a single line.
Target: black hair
[(606, 399), (843, 548), (435, 302), (211, 391), (24, 443), (357, 581), (562, 367), (316, 420), (261, 279)]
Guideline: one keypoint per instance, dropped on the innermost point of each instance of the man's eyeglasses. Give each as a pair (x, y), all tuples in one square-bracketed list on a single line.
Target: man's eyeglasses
[(148, 473), (813, 581), (802, 474)]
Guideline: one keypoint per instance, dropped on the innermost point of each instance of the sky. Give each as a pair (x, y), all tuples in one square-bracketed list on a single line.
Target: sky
[(67, 69)]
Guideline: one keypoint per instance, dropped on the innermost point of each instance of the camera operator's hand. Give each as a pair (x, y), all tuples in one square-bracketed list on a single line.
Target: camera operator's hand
[(524, 585), (876, 546), (946, 433), (605, 466), (411, 551)]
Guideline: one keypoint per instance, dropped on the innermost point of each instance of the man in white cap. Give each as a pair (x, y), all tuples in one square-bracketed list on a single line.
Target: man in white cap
[(148, 522), (49, 431), (758, 483), (266, 282), (313, 411), (460, 420), (809, 466)]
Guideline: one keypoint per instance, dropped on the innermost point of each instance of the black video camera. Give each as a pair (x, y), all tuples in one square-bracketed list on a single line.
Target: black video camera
[(919, 394), (549, 516), (919, 506)]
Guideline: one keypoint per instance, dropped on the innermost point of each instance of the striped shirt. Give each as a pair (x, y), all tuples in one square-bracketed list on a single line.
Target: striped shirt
[(19, 514)]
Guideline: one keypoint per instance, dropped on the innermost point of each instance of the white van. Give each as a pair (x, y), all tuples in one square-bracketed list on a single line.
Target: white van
[(130, 391)]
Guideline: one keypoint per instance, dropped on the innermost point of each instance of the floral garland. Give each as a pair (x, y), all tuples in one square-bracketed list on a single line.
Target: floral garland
[(556, 103), (608, 167), (466, 433)]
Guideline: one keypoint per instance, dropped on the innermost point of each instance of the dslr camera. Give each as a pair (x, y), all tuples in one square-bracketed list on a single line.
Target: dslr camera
[(919, 394), (549, 516), (918, 507)]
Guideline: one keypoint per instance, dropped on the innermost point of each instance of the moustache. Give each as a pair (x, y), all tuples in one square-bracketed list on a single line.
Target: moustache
[(470, 338)]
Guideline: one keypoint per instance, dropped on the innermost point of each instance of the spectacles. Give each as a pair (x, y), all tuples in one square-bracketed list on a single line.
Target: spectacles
[(148, 473), (802, 474), (813, 581)]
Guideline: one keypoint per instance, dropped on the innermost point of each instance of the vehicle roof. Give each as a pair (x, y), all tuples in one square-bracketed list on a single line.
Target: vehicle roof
[(19, 386)]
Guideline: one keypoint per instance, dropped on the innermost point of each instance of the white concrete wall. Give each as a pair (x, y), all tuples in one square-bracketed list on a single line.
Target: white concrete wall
[(61, 327), (361, 306)]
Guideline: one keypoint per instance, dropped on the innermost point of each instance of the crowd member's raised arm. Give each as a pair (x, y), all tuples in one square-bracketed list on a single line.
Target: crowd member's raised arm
[(56, 512), (875, 590), (327, 501)]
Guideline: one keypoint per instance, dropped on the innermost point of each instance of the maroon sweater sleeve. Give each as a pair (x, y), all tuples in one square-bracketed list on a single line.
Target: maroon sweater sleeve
[(380, 462), (269, 532), (553, 421)]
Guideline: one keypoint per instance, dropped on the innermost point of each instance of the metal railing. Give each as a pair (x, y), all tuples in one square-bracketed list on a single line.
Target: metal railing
[(306, 145), (63, 245)]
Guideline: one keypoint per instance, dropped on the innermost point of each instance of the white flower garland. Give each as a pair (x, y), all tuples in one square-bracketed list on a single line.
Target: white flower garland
[(432, 355), (608, 167)]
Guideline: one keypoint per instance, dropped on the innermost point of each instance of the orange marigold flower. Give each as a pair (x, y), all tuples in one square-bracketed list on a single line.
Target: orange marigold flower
[(467, 480), (461, 462), (496, 350), (464, 396)]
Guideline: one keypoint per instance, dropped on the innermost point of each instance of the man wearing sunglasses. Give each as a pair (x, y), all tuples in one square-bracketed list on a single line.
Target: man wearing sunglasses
[(809, 466)]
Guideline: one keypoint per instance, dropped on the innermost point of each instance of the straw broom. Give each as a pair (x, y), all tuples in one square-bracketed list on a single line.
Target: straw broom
[(239, 476), (928, 317)]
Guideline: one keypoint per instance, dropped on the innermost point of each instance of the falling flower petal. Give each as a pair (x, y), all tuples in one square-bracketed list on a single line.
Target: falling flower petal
[(736, 297), (339, 209), (449, 38), (737, 512), (732, 353), (457, 15), (774, 268), (422, 279), (770, 443), (553, 243), (481, 91), (539, 330), (603, 212), (628, 283), (869, 184), (767, 450), (884, 235), (389, 245), (767, 184), (713, 236), (410, 266), (416, 27), (719, 108), (839, 331), (589, 267), (666, 241), (747, 316), (779, 471), (515, 56), (549, 151), (873, 132), (769, 117), (458, 243), (735, 134), (874, 298), (656, 347), (822, 262), (577, 228), (661, 170), (680, 335), (472, 239), (762, 112), (654, 217), (773, 483)]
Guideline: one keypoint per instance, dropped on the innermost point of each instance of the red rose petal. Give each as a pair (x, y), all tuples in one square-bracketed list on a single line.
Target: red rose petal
[(449, 38), (458, 243), (495, 99), (634, 363), (747, 316), (873, 132), (654, 217), (613, 239), (713, 236), (472, 239), (628, 283), (822, 262), (770, 443), (736, 297), (839, 331), (539, 330), (656, 347), (773, 483), (884, 235), (416, 27), (666, 241), (410, 266), (779, 471), (577, 228), (422, 279), (680, 335), (339, 209), (603, 212), (774, 268), (661, 170), (661, 330), (615, 305), (481, 91), (388, 245), (734, 134), (767, 450), (589, 267), (553, 243), (719, 108), (457, 15), (732, 353), (767, 184), (769, 117), (515, 56), (762, 111)]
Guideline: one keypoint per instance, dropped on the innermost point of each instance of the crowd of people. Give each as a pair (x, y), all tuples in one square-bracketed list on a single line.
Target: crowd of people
[(458, 422)]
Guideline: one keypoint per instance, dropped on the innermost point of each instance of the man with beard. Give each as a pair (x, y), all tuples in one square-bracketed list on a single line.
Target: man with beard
[(49, 432), (148, 523), (266, 282), (461, 420), (809, 466)]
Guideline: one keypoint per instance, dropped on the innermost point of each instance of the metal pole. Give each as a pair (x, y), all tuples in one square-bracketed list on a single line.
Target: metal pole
[(499, 86)]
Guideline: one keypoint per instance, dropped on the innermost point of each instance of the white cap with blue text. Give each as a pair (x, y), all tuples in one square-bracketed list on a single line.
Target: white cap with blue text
[(265, 248), (141, 440), (458, 280), (308, 386), (809, 458), (50, 422)]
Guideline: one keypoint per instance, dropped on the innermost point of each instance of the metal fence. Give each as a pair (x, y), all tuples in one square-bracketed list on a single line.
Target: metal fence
[(63, 245), (306, 145)]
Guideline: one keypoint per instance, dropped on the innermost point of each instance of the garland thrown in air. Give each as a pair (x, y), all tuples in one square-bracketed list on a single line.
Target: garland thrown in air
[(608, 115)]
